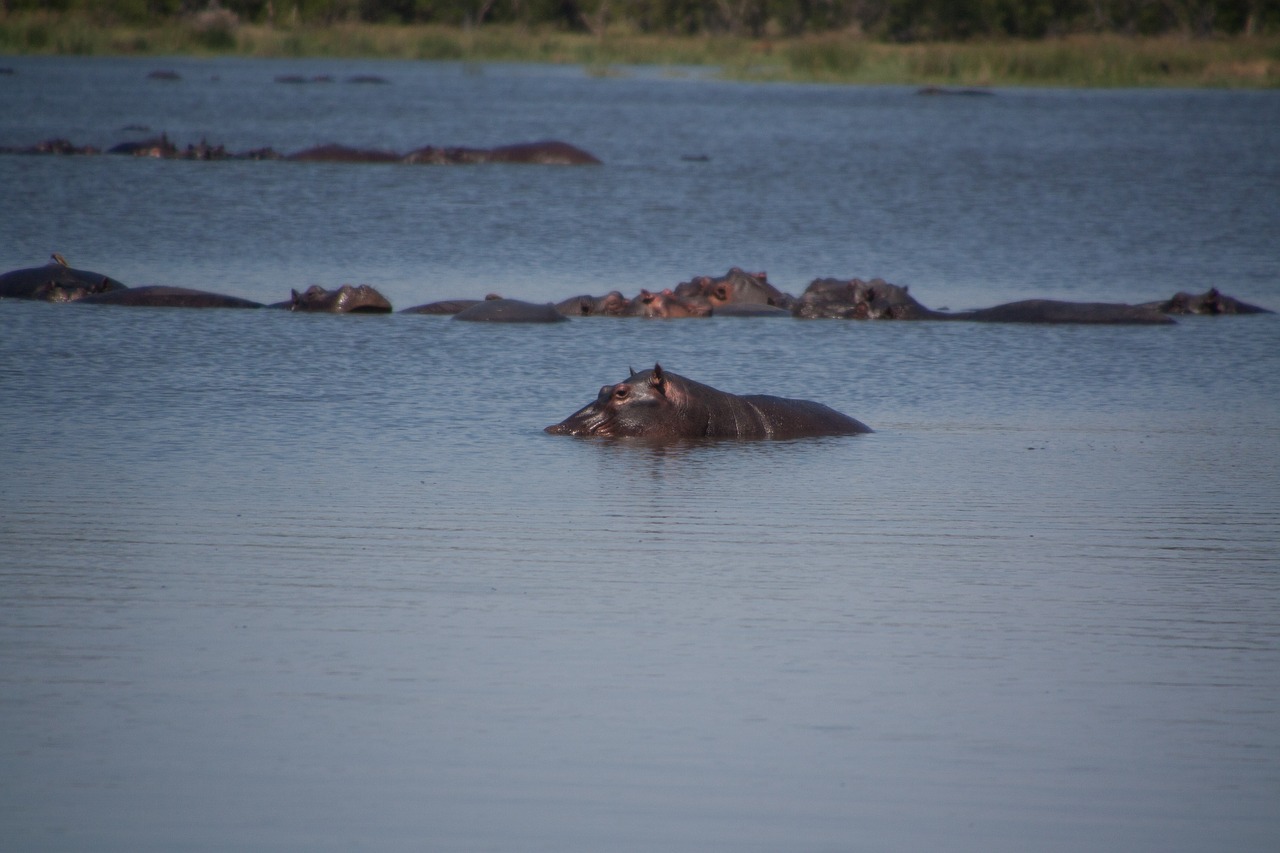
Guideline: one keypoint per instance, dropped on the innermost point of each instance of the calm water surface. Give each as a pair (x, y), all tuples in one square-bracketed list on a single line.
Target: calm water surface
[(321, 583)]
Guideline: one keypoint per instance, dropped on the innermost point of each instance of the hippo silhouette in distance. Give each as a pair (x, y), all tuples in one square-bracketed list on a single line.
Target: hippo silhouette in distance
[(663, 406)]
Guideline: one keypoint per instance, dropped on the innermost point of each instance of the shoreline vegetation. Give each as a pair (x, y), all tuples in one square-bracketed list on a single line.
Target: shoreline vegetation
[(1085, 60)]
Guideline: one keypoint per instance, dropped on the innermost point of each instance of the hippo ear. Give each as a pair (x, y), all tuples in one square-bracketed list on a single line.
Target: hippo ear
[(633, 372), (659, 381)]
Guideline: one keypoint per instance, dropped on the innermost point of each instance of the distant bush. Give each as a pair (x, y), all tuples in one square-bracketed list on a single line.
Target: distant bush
[(889, 20)]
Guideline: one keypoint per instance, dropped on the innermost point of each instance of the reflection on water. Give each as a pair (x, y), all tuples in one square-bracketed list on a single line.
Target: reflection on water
[(313, 582)]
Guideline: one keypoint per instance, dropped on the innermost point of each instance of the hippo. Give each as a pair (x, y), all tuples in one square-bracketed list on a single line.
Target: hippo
[(159, 147), (665, 305), (510, 311), (56, 281), (658, 405), (734, 286), (442, 307), (750, 309), (163, 296), (53, 146), (1053, 311), (942, 90), (612, 304), (1209, 302), (549, 152), (343, 154), (347, 299), (855, 299), (451, 156)]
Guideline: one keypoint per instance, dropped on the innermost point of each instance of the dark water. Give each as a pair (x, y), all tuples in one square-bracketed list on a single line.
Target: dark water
[(321, 583)]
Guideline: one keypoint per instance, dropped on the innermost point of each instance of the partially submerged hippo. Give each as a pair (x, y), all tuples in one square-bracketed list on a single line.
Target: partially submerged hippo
[(159, 147), (1209, 302), (443, 307), (56, 281), (347, 299), (855, 299), (163, 296), (612, 304), (655, 404), (1053, 311), (735, 286), (510, 311), (666, 305), (343, 154), (550, 152)]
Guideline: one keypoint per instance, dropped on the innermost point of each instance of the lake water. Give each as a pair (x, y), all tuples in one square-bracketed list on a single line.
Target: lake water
[(290, 582)]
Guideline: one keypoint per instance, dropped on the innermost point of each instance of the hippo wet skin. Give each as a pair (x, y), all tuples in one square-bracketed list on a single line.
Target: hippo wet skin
[(657, 404)]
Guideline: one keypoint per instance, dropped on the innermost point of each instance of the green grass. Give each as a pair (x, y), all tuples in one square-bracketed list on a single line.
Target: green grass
[(1091, 61)]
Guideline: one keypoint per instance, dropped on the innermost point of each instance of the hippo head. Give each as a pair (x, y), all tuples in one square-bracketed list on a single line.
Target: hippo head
[(667, 305), (735, 286), (57, 291), (647, 404), (361, 299), (345, 300)]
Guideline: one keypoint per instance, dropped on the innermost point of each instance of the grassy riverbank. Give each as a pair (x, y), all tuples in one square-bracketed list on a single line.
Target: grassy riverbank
[(1096, 61)]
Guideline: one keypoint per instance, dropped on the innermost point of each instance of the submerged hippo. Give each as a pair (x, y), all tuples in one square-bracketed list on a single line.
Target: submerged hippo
[(343, 154), (163, 296), (1053, 311), (1209, 302), (612, 304), (510, 311), (347, 299), (551, 152), (735, 286), (442, 307), (655, 404), (56, 281), (666, 305), (855, 299), (159, 147)]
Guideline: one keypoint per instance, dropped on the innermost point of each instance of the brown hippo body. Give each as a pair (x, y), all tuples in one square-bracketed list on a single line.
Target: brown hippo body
[(1209, 302), (612, 304), (56, 281), (163, 296), (443, 307), (855, 299), (348, 299), (666, 305), (659, 405), (735, 286), (1053, 311), (343, 154), (510, 311), (549, 152)]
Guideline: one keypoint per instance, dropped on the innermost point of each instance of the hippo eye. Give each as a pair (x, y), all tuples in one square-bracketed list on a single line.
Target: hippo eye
[(621, 392)]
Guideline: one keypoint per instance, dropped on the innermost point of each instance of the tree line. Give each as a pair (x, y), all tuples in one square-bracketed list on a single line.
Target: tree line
[(888, 20)]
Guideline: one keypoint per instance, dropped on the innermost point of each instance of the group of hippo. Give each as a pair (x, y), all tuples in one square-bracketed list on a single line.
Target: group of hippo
[(736, 293), (654, 404), (550, 152)]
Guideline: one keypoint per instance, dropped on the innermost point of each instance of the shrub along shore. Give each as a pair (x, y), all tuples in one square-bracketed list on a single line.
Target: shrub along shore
[(1080, 60)]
